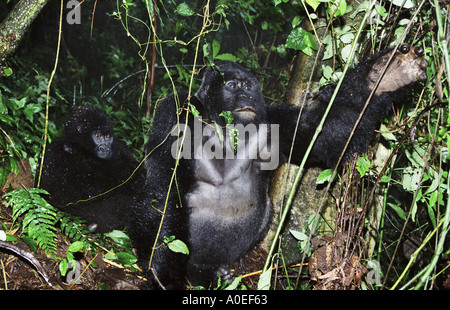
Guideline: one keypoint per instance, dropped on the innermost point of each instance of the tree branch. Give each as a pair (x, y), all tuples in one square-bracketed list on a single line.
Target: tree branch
[(14, 26)]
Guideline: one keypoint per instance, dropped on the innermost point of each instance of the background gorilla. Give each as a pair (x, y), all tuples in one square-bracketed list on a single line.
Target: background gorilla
[(88, 161), (220, 206)]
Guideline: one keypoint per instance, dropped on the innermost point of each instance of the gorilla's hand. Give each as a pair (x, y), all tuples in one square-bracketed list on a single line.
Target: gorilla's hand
[(407, 66)]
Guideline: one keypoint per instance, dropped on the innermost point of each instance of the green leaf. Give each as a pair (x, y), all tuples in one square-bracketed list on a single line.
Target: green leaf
[(385, 179), (302, 40), (127, 258), (431, 206), (193, 109), (219, 133), (30, 110), (63, 267), (325, 176), (398, 210), (298, 235), (215, 48), (234, 285), (207, 50), (265, 279), (363, 165), (116, 235), (76, 246), (313, 3), (7, 71), (184, 10), (387, 135), (228, 116), (121, 238), (226, 56)]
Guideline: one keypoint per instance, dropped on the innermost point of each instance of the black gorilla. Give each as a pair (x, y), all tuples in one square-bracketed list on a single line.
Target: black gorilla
[(216, 200), (88, 161)]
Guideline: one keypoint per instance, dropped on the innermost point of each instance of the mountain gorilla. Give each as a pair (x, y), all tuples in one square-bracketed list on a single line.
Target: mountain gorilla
[(216, 200), (88, 161)]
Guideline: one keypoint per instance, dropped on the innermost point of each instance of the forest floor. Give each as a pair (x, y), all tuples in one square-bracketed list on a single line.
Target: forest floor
[(24, 268)]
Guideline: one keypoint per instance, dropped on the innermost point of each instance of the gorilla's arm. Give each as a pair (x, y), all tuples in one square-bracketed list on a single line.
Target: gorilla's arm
[(148, 211), (406, 68)]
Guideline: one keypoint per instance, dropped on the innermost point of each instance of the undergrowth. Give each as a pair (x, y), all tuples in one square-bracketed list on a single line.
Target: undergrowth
[(39, 217)]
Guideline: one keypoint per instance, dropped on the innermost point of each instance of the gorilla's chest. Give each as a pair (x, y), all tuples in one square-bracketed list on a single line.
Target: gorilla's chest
[(225, 190)]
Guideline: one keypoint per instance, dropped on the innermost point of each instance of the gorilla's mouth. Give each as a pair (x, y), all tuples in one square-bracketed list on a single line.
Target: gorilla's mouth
[(246, 112)]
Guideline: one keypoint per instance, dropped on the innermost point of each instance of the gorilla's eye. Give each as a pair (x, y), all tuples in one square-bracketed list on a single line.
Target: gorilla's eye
[(231, 84), (248, 86), (97, 135)]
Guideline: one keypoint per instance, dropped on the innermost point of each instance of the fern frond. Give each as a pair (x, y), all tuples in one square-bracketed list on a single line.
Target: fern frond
[(39, 217), (73, 227)]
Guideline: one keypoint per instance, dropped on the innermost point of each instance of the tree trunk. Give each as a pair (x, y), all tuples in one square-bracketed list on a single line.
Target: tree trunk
[(14, 26), (308, 196)]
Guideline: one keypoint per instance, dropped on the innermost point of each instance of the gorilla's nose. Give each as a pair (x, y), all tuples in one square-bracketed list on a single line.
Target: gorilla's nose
[(103, 149), (243, 96)]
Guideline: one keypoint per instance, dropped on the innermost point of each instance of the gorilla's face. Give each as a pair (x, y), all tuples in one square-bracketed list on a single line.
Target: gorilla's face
[(240, 96), (230, 87), (102, 144)]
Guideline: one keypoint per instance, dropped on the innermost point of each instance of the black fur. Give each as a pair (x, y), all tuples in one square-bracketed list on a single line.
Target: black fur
[(72, 172), (221, 214), (348, 104)]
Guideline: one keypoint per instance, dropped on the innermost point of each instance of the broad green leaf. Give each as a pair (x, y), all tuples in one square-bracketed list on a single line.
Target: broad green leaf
[(298, 235), (387, 135), (178, 246), (302, 40), (30, 110), (226, 56), (215, 48), (184, 10), (324, 176), (63, 267), (398, 210), (126, 258), (234, 284), (264, 279), (76, 246), (363, 165), (313, 3)]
